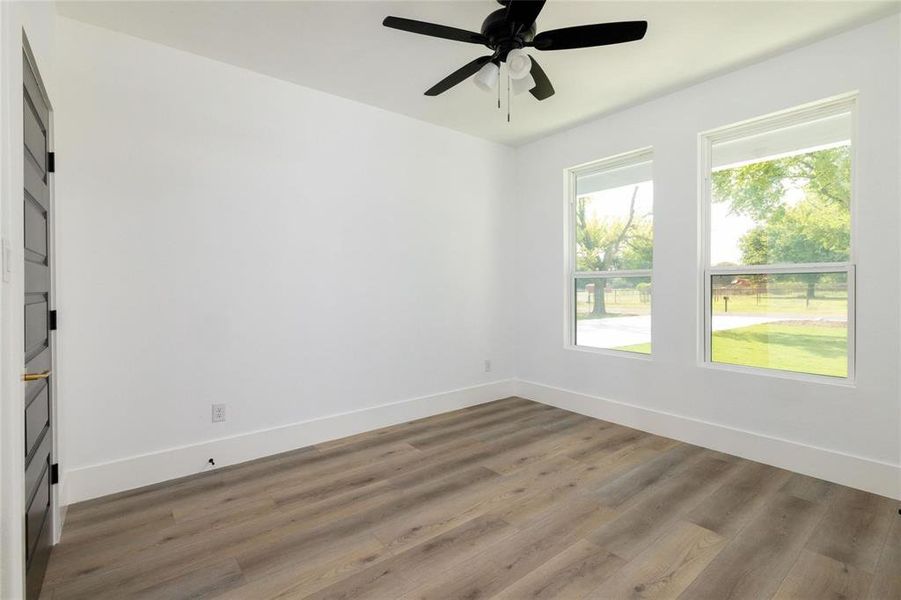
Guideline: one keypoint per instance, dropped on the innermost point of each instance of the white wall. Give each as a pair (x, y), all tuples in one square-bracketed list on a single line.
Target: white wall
[(36, 20), (227, 237), (325, 267), (847, 434)]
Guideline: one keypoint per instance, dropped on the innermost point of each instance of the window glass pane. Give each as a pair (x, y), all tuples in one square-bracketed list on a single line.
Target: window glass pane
[(614, 219), (783, 196), (614, 313), (793, 321)]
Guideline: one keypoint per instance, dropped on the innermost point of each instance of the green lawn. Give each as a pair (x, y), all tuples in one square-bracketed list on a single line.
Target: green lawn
[(637, 348), (640, 348), (820, 349)]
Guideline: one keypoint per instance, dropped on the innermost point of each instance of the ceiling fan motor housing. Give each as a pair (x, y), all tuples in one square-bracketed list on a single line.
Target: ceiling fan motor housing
[(504, 35)]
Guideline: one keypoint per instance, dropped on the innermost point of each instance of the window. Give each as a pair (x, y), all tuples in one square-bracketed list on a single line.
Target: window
[(611, 238), (778, 270)]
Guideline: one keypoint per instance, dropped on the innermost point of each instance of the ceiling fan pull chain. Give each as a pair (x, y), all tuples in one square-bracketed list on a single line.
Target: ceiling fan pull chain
[(498, 96), (508, 95)]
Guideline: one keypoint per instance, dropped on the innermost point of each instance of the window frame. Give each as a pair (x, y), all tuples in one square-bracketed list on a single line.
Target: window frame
[(845, 103), (571, 175)]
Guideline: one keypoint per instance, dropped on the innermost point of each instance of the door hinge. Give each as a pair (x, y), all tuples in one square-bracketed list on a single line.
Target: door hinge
[(51, 162), (52, 320), (54, 473)]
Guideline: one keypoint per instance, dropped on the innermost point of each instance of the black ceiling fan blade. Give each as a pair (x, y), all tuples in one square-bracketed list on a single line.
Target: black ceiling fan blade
[(587, 36), (524, 12), (543, 88), (467, 70), (433, 30)]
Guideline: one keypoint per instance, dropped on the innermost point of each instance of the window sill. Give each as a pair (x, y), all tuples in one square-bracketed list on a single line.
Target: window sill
[(847, 382), (610, 352)]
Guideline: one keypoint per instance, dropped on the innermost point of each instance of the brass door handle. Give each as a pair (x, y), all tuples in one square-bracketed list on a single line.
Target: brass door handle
[(35, 376)]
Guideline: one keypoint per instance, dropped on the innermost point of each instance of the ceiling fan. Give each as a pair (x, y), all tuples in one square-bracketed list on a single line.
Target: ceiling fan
[(507, 31)]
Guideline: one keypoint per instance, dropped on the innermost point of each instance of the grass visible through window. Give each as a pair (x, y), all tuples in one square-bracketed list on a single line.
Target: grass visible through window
[(804, 347)]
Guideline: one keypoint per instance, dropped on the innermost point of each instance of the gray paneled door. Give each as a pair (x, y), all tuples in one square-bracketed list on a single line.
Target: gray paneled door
[(38, 432)]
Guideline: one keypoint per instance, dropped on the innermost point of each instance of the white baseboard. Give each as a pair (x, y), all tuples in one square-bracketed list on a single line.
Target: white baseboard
[(846, 469), (92, 481), (101, 479)]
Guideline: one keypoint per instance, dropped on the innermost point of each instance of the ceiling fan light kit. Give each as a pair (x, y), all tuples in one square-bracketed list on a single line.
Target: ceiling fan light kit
[(487, 77), (507, 32), (518, 63), (522, 85)]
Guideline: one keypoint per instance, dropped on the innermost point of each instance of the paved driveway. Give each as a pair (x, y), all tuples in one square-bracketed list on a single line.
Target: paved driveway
[(615, 332)]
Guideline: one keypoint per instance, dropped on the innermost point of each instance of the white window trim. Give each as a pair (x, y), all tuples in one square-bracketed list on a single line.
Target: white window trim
[(794, 116), (570, 177)]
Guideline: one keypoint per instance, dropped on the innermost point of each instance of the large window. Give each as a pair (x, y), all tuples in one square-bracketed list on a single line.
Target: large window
[(611, 238), (778, 270)]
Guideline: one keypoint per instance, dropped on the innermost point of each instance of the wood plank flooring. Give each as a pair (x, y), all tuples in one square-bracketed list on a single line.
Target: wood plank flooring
[(510, 499)]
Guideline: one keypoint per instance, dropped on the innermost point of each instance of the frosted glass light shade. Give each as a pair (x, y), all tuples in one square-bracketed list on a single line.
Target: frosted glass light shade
[(521, 86), (518, 63), (487, 76)]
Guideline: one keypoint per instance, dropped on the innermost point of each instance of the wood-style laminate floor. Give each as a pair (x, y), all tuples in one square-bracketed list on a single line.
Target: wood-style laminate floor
[(510, 499)]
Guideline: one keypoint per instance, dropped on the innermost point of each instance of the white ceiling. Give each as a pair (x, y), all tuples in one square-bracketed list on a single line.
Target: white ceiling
[(341, 48)]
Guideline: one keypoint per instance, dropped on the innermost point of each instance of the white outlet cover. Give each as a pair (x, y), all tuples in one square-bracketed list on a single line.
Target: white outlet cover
[(218, 413)]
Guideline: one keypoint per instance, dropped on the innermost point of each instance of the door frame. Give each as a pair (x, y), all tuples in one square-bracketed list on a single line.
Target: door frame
[(13, 44)]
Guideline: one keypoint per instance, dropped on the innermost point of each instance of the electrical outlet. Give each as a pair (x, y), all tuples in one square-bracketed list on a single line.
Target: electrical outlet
[(218, 413), (487, 366)]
